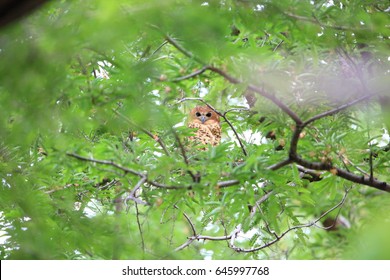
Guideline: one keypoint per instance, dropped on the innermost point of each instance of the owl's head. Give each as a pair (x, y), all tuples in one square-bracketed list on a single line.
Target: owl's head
[(203, 115)]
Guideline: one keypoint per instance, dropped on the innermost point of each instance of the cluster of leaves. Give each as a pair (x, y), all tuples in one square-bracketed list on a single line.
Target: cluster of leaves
[(95, 161)]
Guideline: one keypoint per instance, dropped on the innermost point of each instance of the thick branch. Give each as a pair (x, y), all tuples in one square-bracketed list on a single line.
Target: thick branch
[(364, 180)]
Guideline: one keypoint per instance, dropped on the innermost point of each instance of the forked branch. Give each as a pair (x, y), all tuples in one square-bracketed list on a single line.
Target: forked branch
[(234, 234)]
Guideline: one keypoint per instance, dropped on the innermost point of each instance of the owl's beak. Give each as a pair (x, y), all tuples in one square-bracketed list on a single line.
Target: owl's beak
[(202, 119)]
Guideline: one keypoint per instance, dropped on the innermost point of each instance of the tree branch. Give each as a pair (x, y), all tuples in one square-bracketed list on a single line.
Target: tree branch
[(191, 75), (317, 22), (132, 194), (125, 170), (195, 178), (336, 110), (151, 135), (279, 237), (140, 228), (237, 230), (181, 49), (364, 180)]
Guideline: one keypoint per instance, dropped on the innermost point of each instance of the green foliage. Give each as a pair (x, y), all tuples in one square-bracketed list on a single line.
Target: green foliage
[(95, 161)]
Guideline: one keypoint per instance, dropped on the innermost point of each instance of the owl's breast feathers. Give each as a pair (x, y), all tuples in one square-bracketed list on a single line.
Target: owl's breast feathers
[(206, 121), (206, 134)]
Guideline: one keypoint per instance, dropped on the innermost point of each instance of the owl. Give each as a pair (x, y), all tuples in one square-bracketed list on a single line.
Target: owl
[(207, 123)]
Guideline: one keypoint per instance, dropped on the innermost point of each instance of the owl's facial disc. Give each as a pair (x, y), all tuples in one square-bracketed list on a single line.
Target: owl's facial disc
[(203, 117)]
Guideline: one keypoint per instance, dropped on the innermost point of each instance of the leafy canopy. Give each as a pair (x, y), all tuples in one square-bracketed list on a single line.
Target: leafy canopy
[(95, 160)]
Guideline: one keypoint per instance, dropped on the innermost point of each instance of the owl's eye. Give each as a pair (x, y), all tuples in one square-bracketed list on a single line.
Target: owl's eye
[(208, 115), (197, 114)]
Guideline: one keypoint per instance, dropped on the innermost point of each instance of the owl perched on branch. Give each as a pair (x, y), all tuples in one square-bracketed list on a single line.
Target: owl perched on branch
[(207, 123)]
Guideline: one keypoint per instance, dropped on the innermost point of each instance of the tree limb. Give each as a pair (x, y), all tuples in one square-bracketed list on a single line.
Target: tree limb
[(125, 170)]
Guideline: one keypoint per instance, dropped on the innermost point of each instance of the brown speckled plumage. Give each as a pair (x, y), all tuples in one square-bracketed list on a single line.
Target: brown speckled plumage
[(206, 121)]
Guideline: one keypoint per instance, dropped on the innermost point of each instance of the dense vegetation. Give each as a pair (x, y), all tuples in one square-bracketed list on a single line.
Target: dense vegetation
[(95, 161)]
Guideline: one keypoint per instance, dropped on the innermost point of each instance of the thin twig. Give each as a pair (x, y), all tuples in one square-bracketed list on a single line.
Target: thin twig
[(181, 49), (107, 162), (132, 194), (236, 134), (195, 178), (188, 220), (125, 170), (151, 135), (140, 228), (316, 21), (260, 201), (159, 47), (337, 110), (345, 159), (211, 238), (310, 224), (268, 244), (191, 75)]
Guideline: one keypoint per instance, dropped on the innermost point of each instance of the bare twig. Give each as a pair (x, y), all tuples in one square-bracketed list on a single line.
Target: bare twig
[(125, 170), (191, 75), (106, 162), (317, 22), (151, 135), (211, 238), (337, 110), (195, 178), (188, 220), (259, 201), (132, 194), (310, 224), (186, 244), (140, 228), (237, 230), (173, 42), (159, 47), (345, 159), (236, 134)]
